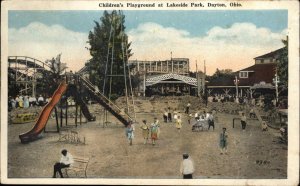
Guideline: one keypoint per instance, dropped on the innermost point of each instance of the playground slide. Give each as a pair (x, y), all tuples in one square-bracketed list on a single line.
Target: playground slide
[(72, 90), (106, 103), (40, 124)]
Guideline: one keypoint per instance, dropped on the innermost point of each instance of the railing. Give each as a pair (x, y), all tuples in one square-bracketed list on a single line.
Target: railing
[(108, 102), (15, 59)]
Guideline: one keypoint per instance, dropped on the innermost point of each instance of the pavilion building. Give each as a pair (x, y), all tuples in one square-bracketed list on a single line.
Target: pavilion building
[(168, 77)]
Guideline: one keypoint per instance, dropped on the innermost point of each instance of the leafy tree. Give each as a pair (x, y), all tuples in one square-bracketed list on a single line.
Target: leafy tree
[(282, 65), (49, 80), (109, 47), (221, 73), (13, 88)]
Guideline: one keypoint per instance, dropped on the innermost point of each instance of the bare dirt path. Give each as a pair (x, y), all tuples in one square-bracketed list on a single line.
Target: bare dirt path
[(251, 154)]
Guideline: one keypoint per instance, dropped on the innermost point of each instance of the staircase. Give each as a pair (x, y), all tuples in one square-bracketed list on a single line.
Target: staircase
[(105, 102)]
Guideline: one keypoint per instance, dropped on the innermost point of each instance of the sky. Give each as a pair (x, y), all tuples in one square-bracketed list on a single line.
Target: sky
[(224, 39)]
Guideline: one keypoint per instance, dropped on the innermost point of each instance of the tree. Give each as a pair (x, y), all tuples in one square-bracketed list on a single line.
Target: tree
[(282, 65), (13, 87), (221, 73), (109, 48), (49, 80)]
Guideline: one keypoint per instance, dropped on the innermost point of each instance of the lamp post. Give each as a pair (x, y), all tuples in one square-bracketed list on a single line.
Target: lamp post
[(236, 82), (276, 81)]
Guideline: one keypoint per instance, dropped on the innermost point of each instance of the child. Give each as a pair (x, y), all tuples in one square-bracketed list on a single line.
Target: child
[(187, 110), (189, 118), (264, 126), (178, 123), (223, 141), (175, 113), (169, 115), (252, 114), (165, 116), (211, 121), (243, 121), (154, 130), (196, 116), (156, 121), (145, 130), (129, 132)]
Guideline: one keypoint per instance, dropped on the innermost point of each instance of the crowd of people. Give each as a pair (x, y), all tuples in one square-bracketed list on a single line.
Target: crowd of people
[(26, 101), (260, 101), (197, 120)]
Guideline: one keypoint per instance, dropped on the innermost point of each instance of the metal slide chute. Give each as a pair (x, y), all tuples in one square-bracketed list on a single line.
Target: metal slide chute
[(42, 120)]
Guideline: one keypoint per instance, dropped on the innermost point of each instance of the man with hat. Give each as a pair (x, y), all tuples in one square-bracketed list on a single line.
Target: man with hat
[(187, 167)]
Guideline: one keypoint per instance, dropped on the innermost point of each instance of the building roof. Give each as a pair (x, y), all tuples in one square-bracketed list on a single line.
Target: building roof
[(222, 81), (161, 78), (258, 73), (271, 54)]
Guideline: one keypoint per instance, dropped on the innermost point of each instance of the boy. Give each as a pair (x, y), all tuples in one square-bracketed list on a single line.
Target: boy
[(223, 141), (243, 121)]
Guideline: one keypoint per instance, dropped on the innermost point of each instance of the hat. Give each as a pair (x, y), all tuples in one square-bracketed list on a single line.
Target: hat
[(64, 151), (185, 155)]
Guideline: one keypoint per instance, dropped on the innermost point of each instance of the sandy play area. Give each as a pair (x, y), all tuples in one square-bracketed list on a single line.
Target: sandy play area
[(251, 154)]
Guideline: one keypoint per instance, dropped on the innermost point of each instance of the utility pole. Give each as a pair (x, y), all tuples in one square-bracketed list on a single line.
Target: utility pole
[(145, 84), (236, 81), (198, 80), (203, 84), (276, 81)]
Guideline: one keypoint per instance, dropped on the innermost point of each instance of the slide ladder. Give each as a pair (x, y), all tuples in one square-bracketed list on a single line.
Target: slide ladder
[(42, 120), (105, 102)]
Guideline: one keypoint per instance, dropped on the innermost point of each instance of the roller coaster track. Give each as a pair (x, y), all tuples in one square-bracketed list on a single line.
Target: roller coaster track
[(25, 70)]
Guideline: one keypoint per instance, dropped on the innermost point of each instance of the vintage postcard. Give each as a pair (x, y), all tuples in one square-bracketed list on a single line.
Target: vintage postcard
[(150, 92)]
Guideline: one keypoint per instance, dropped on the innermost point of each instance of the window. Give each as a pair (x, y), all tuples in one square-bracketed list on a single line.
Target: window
[(243, 74)]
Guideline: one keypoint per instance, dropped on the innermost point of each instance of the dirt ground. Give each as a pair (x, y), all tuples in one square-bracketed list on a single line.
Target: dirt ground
[(251, 154)]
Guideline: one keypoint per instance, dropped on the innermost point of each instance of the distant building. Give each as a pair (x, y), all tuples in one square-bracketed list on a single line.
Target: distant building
[(271, 57), (256, 79), (175, 65), (168, 77)]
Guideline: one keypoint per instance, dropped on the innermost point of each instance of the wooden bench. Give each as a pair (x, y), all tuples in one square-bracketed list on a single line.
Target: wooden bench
[(71, 136), (63, 136), (80, 165)]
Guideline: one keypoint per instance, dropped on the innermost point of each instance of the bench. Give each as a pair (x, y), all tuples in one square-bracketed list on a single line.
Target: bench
[(63, 136), (80, 165), (71, 136)]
